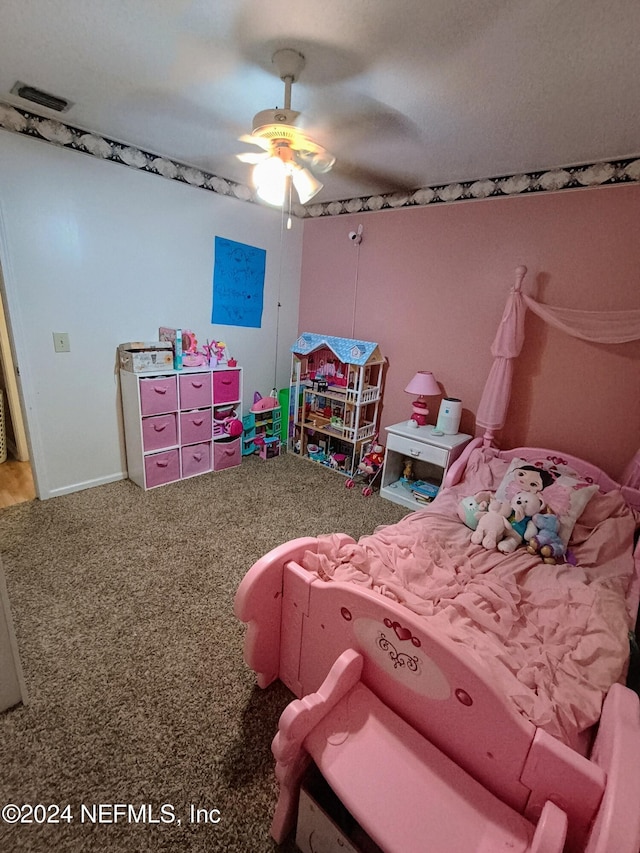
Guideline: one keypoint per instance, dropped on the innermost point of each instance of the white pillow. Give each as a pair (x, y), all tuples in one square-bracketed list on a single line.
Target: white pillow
[(564, 495)]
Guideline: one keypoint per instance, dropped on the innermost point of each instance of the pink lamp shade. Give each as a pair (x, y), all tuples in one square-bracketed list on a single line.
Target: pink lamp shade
[(424, 385)]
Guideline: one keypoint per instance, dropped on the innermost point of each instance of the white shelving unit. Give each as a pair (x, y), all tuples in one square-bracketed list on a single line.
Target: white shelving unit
[(174, 423)]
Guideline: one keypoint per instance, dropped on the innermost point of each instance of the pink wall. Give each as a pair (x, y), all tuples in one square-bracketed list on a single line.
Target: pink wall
[(429, 285)]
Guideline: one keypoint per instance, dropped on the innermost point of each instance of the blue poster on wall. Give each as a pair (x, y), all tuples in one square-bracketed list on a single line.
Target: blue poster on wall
[(238, 284)]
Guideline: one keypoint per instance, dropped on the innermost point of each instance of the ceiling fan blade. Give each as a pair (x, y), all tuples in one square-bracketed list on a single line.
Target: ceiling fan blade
[(252, 158), (317, 161), (350, 117), (378, 180), (250, 139)]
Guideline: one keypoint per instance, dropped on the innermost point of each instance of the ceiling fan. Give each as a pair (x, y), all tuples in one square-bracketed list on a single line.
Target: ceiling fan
[(289, 156)]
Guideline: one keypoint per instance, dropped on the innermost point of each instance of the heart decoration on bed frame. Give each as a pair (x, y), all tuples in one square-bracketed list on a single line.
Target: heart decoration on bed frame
[(402, 633)]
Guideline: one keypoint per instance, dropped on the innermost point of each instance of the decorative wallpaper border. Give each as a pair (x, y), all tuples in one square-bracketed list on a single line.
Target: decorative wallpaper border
[(554, 180)]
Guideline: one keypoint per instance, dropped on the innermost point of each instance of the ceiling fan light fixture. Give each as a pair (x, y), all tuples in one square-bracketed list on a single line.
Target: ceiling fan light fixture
[(291, 156), (306, 185), (270, 180)]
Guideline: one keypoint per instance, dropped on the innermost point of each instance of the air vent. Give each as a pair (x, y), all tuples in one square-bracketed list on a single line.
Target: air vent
[(43, 99)]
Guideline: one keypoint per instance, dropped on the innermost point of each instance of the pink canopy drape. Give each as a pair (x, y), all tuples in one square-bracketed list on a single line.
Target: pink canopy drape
[(607, 327), (492, 411), (601, 327)]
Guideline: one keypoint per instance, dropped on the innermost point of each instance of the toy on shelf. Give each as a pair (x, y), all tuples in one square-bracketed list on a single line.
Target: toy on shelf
[(233, 427), (186, 353), (369, 468), (189, 342), (337, 461), (174, 337), (422, 491), (222, 417), (215, 353), (190, 355), (316, 453)]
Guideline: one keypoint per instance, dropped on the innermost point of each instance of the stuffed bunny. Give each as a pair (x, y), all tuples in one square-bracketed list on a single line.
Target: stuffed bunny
[(470, 509)]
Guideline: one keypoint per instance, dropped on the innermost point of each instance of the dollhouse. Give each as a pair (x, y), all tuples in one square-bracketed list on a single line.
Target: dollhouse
[(262, 432), (335, 394)]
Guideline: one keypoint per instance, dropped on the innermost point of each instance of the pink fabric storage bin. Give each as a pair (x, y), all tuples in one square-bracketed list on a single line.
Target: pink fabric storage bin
[(159, 431), (226, 386), (158, 395), (195, 426), (226, 454), (162, 468), (195, 390), (196, 459)]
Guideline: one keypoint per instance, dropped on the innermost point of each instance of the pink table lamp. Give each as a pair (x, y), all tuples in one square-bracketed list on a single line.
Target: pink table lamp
[(424, 385)]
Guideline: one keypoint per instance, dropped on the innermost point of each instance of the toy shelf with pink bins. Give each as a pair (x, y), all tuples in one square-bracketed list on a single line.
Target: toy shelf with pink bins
[(334, 399), (181, 423)]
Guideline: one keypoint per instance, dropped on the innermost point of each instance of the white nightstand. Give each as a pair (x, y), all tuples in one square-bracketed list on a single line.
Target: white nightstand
[(430, 456)]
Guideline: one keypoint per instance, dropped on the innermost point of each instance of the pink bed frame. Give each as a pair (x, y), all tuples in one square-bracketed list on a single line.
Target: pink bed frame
[(415, 741)]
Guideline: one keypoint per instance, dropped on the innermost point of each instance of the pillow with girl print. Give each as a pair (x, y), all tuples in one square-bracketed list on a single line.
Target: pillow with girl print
[(563, 491)]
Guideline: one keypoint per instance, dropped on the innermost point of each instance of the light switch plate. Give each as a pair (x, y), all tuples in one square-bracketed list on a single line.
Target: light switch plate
[(61, 342)]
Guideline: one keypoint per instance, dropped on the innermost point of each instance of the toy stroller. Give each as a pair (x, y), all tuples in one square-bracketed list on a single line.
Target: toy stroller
[(369, 469)]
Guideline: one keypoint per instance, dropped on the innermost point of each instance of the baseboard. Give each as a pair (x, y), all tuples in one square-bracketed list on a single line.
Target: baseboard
[(13, 450), (88, 484)]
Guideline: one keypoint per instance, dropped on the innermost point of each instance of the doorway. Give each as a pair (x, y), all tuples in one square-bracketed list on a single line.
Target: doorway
[(16, 475)]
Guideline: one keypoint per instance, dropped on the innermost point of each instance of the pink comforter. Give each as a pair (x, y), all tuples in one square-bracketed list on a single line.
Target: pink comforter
[(554, 637)]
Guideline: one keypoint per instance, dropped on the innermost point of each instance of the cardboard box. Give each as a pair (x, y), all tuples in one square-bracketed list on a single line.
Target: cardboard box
[(145, 356)]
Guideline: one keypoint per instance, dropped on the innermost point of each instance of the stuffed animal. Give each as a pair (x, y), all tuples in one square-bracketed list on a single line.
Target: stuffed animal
[(373, 460), (470, 509), (492, 526), (523, 506), (546, 541)]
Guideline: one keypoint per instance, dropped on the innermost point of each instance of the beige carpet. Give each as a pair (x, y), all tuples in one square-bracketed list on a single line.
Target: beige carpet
[(133, 659)]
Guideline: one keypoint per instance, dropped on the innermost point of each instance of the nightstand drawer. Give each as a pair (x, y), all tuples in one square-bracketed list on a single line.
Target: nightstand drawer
[(417, 450)]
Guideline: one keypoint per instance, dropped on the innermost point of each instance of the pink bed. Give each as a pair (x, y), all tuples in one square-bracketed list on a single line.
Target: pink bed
[(510, 669)]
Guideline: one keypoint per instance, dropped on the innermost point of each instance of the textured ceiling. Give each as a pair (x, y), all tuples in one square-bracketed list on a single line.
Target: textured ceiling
[(405, 93)]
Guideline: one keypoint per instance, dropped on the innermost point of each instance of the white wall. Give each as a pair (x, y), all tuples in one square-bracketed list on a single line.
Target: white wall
[(108, 254)]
